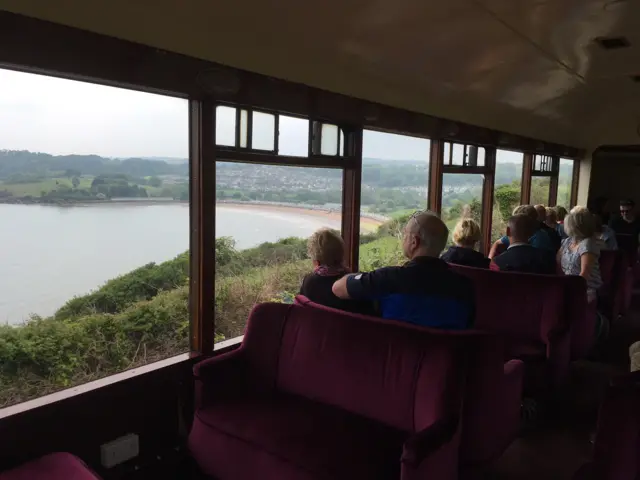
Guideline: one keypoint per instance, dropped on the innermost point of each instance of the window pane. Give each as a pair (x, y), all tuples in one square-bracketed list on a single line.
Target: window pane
[(94, 254), (458, 154), (264, 214), (540, 190), (565, 181), (226, 126), (293, 136), (508, 187), (244, 128), (329, 139), (461, 198), (262, 137), (395, 176), (481, 156)]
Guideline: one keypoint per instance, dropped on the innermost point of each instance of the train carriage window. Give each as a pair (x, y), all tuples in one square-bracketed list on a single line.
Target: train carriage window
[(565, 182), (226, 126), (263, 131), (94, 207), (395, 178), (293, 136), (462, 155), (540, 187), (507, 190), (264, 215), (461, 198)]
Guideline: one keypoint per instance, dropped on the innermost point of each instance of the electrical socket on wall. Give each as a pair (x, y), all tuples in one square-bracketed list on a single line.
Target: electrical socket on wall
[(119, 450)]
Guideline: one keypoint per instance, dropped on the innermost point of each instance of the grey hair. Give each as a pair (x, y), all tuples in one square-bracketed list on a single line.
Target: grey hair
[(580, 223), (434, 242)]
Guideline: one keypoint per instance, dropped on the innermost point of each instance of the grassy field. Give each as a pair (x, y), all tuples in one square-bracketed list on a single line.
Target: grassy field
[(36, 188)]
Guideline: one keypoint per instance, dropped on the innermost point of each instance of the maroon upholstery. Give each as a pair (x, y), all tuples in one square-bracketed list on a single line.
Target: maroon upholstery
[(55, 466), (536, 314), (493, 394), (611, 296), (616, 453), (581, 315), (310, 395)]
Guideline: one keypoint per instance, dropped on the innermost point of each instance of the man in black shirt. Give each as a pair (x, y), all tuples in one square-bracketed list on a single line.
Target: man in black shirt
[(627, 224), (424, 291), (521, 256)]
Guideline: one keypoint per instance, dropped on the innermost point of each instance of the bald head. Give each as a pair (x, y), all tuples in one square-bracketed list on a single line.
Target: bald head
[(520, 228), (425, 235)]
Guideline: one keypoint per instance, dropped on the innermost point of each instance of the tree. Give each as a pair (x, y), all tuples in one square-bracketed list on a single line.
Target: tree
[(507, 198), (75, 181), (155, 181)]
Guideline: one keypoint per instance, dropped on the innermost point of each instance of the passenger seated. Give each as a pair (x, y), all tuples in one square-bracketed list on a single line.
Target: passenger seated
[(326, 250), (466, 235), (605, 236), (424, 291), (561, 213), (627, 223), (521, 256), (551, 231), (580, 253), (539, 239)]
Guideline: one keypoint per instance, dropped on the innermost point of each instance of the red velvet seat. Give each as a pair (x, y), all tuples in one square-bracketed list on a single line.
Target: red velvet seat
[(616, 453), (538, 316), (309, 395), (293, 428), (55, 466), (493, 394), (611, 296)]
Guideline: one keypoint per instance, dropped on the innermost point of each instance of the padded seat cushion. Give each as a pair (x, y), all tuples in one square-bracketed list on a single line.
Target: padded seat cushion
[(287, 437), (56, 466)]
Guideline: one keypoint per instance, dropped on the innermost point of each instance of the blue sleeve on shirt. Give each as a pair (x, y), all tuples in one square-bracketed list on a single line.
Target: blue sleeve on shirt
[(369, 286), (505, 241), (541, 239)]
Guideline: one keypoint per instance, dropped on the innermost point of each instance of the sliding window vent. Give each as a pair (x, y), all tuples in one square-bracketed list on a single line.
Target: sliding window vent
[(613, 43)]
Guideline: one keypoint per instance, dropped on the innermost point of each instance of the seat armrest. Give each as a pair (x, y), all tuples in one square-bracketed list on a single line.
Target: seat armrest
[(222, 375), (425, 442)]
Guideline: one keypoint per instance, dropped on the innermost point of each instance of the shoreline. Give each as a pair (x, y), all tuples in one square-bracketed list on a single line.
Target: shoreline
[(367, 222)]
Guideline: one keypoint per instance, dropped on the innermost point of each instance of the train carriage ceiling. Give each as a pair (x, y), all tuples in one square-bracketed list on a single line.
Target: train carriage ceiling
[(529, 67)]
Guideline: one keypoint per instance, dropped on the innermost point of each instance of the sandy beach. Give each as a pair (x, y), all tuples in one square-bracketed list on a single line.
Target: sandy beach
[(366, 224)]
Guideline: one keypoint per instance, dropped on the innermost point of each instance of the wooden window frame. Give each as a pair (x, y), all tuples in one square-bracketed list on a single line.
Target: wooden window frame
[(438, 168), (77, 54)]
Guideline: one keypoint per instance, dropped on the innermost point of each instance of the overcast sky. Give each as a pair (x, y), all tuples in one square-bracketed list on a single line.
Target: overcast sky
[(57, 116)]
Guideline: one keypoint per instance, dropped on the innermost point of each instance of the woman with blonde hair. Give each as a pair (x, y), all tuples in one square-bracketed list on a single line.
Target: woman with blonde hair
[(466, 235), (326, 251)]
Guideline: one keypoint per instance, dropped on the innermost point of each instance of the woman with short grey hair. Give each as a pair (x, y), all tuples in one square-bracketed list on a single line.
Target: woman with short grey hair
[(579, 253)]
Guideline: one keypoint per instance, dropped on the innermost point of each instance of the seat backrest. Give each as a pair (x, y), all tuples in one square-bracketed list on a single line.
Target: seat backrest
[(628, 244), (484, 377), (611, 268), (617, 444), (404, 377), (519, 305), (580, 315), (607, 261)]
